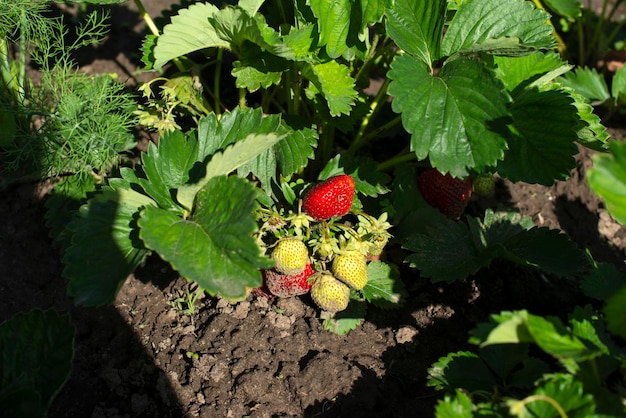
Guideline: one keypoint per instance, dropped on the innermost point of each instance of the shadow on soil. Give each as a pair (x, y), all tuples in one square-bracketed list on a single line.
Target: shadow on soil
[(107, 351)]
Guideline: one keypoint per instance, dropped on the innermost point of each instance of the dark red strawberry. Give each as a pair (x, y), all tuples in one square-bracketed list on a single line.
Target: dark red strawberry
[(448, 194), (285, 286), (331, 197)]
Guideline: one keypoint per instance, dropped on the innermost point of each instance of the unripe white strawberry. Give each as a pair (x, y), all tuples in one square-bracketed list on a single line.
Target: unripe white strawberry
[(351, 268), (329, 293), (290, 256)]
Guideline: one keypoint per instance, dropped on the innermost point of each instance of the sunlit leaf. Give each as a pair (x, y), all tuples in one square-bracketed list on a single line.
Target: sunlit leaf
[(477, 22), (214, 247), (417, 26), (456, 117), (334, 82), (177, 38), (607, 179)]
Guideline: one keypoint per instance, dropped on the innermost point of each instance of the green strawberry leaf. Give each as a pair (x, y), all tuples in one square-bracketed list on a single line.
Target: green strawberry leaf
[(548, 333), (478, 22), (215, 246), (456, 117), (62, 202), (345, 321), (588, 326), (189, 31), (334, 24), (541, 153), (603, 281), (296, 141), (588, 83), (167, 167), (374, 10), (417, 27), (462, 369), (566, 8), (286, 157), (592, 134), (36, 351), (568, 393), (230, 159), (147, 48), (334, 82), (607, 179), (615, 312), (104, 248), (252, 78), (618, 86), (383, 289), (238, 27), (446, 250), (518, 73), (458, 405)]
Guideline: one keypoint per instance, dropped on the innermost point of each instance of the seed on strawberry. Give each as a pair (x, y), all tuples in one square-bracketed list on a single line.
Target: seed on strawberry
[(290, 256), (484, 185), (351, 268), (329, 293), (448, 194), (285, 286), (331, 197)]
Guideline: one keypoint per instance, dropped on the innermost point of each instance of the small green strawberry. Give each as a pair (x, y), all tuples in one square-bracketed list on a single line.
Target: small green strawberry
[(351, 268), (290, 256), (484, 185), (376, 246), (329, 293), (331, 197)]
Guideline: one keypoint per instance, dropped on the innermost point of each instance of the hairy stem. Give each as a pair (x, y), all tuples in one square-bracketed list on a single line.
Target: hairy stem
[(544, 398), (360, 138), (155, 31)]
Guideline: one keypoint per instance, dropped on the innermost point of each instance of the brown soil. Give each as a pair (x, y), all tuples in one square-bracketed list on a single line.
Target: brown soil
[(142, 357)]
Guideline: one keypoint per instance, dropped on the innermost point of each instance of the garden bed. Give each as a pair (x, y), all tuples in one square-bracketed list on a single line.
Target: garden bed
[(144, 356)]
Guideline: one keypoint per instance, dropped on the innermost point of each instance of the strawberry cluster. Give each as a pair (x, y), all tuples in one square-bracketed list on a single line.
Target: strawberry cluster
[(316, 250)]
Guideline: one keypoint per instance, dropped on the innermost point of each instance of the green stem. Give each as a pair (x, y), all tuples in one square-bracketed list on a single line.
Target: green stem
[(381, 129), (545, 398), (146, 17), (599, 27), (155, 31), (242, 98), (581, 42), (394, 161), (370, 55), (217, 79), (360, 139)]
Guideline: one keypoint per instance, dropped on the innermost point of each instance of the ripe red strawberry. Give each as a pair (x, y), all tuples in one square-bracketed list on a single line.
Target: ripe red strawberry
[(331, 197), (448, 194), (285, 286)]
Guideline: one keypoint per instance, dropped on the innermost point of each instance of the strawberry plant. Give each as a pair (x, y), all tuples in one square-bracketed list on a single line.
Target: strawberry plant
[(468, 89), (528, 364)]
